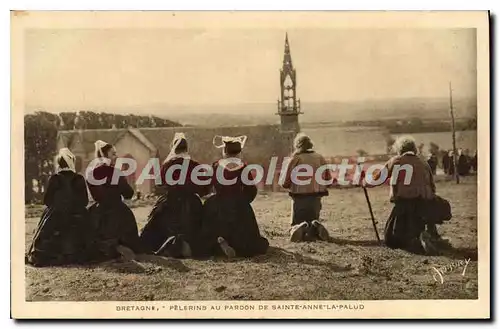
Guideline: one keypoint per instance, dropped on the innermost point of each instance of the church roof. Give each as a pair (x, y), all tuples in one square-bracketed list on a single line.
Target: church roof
[(87, 137), (143, 139)]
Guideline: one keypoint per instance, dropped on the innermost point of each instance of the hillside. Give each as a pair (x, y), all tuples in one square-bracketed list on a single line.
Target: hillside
[(314, 112)]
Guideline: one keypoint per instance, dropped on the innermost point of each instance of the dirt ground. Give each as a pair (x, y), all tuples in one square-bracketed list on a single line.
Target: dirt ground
[(350, 267)]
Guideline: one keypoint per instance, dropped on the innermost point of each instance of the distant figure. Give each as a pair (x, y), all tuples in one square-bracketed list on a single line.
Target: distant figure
[(433, 162), (228, 214), (446, 163), (474, 162), (306, 198), (61, 235), (117, 229), (463, 165), (174, 224), (451, 160), (417, 209)]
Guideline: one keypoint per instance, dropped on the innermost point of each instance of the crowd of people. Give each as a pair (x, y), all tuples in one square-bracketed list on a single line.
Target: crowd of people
[(202, 220), (466, 164)]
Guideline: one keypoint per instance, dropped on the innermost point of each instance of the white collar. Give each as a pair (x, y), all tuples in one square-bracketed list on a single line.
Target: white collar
[(231, 164), (64, 169)]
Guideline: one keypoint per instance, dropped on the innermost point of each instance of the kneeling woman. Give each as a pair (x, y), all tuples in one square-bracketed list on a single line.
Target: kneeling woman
[(416, 206), (114, 221), (306, 197), (228, 213), (61, 235), (174, 224)]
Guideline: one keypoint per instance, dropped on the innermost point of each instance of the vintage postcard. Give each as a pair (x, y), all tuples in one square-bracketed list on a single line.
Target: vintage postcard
[(314, 165)]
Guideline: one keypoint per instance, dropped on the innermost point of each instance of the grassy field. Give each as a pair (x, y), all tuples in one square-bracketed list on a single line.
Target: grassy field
[(351, 266)]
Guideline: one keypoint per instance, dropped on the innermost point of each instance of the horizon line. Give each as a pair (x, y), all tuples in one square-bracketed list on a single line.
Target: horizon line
[(97, 107)]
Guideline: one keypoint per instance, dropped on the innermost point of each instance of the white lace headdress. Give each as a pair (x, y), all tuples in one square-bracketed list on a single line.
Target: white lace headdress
[(68, 157), (178, 138), (229, 139), (99, 145), (233, 163)]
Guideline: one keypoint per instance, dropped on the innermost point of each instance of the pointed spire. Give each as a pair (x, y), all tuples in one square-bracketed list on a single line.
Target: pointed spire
[(287, 57), (288, 105), (287, 44)]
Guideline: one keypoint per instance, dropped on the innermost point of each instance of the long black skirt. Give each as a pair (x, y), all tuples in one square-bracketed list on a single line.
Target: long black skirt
[(233, 219), (114, 225), (406, 221), (177, 215), (61, 237)]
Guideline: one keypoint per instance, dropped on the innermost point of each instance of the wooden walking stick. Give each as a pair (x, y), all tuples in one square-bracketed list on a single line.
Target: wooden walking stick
[(371, 214), (369, 206)]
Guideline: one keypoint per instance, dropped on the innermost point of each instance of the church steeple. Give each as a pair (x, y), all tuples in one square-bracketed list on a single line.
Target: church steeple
[(287, 58), (288, 105)]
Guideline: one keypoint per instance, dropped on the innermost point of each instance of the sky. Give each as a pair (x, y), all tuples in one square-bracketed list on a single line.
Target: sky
[(67, 68)]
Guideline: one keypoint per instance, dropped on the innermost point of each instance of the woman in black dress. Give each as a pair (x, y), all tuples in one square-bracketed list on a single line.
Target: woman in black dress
[(463, 165), (228, 214), (62, 233), (117, 231), (174, 224)]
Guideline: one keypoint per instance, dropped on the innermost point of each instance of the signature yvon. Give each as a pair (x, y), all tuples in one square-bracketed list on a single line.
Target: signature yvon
[(438, 273)]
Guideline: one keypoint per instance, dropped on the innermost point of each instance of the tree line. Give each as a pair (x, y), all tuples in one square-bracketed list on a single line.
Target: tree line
[(40, 140), (416, 125)]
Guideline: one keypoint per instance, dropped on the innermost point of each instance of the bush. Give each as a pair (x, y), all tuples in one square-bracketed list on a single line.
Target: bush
[(361, 153)]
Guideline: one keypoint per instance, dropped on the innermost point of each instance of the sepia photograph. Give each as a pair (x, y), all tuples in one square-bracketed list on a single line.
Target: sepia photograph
[(250, 164)]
